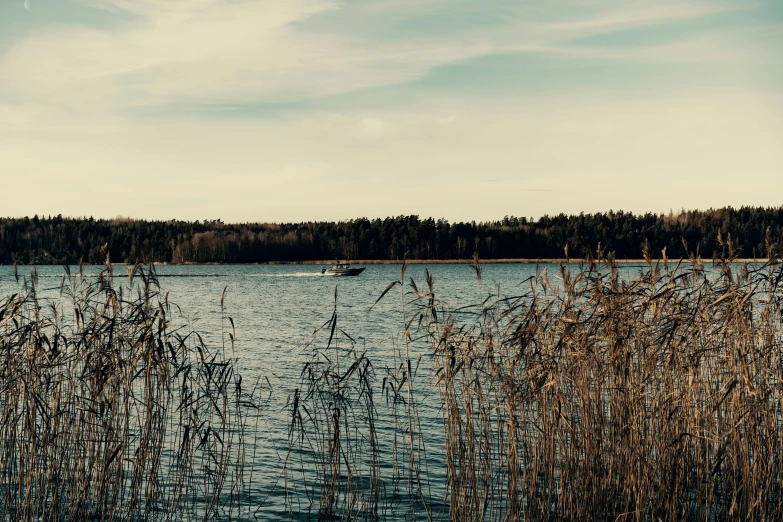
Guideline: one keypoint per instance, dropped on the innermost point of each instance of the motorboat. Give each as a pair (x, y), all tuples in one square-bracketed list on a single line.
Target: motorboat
[(342, 269)]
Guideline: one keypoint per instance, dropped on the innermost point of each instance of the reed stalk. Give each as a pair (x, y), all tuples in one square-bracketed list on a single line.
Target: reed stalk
[(108, 412)]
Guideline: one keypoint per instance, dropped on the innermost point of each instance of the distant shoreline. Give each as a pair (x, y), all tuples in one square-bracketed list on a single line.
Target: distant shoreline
[(519, 261), (748, 232)]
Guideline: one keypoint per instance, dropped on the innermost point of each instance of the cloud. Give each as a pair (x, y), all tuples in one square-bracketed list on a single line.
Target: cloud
[(635, 14), (192, 52), (27, 5)]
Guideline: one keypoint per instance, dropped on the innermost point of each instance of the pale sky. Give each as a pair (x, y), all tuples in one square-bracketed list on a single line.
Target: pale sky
[(297, 110)]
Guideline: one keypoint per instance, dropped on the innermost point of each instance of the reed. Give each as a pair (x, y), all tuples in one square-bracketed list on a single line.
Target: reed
[(107, 412), (608, 398), (586, 395)]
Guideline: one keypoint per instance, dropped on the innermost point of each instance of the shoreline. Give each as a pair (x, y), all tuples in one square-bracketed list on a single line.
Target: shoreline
[(520, 261)]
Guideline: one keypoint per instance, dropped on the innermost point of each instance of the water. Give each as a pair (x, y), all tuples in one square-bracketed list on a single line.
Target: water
[(275, 310)]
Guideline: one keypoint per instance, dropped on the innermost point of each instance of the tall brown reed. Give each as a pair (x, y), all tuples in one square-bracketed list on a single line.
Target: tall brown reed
[(603, 397), (333, 435), (594, 395), (109, 413)]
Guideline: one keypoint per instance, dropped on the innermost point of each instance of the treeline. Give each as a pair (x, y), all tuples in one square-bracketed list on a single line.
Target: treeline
[(747, 231)]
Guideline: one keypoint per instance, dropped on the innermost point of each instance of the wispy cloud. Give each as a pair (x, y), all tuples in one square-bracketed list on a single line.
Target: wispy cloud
[(636, 14), (223, 51)]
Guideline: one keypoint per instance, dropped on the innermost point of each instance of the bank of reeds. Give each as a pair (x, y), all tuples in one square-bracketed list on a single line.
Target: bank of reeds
[(333, 439), (109, 413), (588, 394), (603, 397), (336, 453)]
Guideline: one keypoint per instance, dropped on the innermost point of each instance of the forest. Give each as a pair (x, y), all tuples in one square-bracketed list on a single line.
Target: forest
[(743, 232)]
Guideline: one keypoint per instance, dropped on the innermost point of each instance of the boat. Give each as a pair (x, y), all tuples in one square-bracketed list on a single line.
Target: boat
[(342, 269)]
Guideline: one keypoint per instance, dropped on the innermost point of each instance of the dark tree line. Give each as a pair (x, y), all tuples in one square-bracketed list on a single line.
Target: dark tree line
[(748, 231)]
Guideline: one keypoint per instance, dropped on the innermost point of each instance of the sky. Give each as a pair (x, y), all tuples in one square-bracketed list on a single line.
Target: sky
[(304, 110)]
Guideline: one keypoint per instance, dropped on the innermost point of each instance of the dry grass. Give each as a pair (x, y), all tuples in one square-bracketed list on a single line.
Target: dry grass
[(107, 413), (603, 398), (334, 439), (587, 396)]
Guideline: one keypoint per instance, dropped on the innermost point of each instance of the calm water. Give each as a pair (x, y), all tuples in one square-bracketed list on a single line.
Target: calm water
[(275, 310)]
